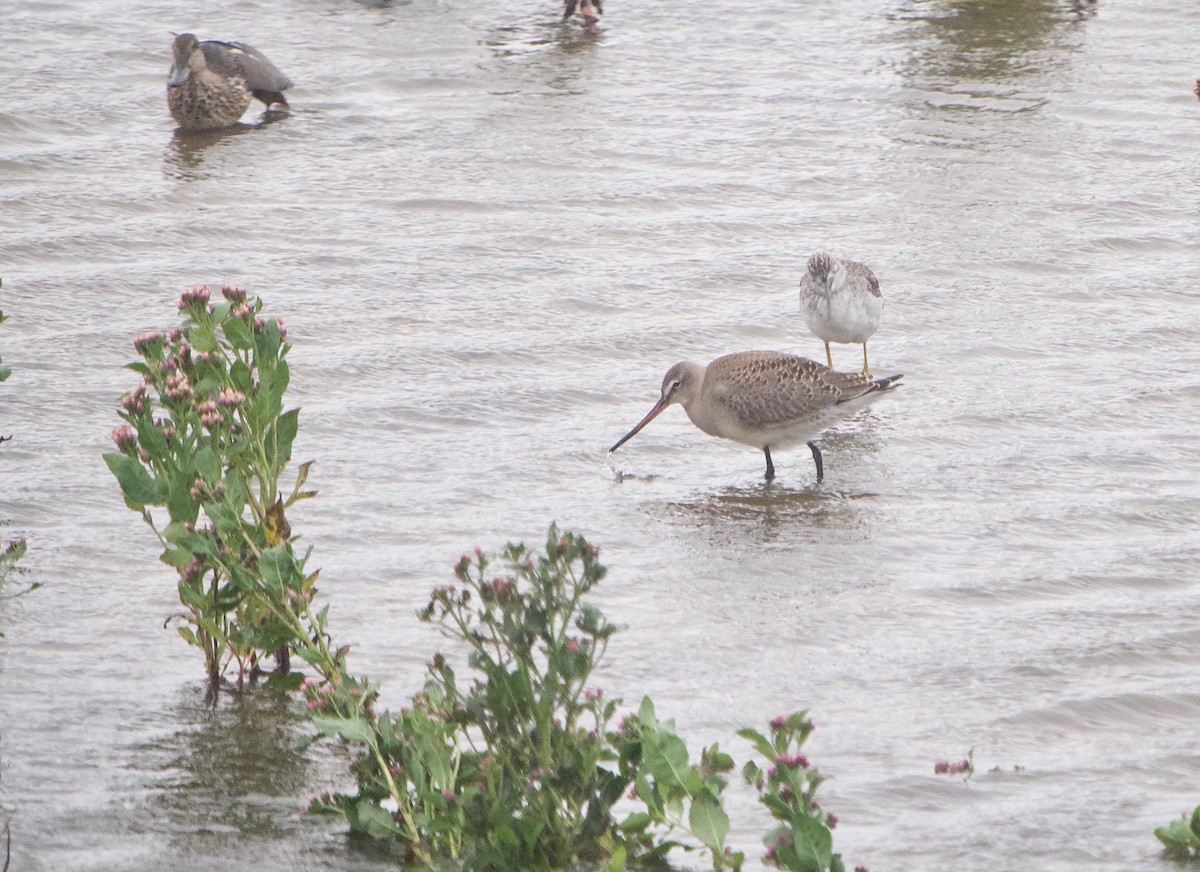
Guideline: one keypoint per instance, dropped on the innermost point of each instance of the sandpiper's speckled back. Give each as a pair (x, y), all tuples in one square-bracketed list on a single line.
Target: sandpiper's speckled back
[(771, 389)]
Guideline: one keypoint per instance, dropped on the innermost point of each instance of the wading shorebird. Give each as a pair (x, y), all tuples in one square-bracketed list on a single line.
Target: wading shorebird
[(211, 83), (589, 10), (841, 302), (765, 399)]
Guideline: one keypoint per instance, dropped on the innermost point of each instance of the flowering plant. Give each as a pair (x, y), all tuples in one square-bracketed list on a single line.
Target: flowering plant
[(200, 456)]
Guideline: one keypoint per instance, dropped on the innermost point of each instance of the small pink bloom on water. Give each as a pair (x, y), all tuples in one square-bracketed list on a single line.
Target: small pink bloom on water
[(234, 295), (244, 311), (593, 693), (778, 722), (282, 328), (831, 821), (125, 438), (573, 646)]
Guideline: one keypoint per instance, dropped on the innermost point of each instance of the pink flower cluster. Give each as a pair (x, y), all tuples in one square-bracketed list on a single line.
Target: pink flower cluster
[(944, 768)]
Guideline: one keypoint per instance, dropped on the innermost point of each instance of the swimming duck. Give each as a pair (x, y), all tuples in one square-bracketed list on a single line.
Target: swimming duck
[(211, 82)]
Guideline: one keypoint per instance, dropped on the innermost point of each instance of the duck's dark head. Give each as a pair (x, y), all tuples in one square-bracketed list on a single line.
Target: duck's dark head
[(189, 56)]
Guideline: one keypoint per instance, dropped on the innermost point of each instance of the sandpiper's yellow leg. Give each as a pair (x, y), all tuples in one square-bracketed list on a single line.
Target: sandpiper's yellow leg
[(828, 356), (866, 367)]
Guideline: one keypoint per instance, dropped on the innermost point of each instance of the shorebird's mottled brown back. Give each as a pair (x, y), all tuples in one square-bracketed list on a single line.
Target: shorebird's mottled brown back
[(769, 388)]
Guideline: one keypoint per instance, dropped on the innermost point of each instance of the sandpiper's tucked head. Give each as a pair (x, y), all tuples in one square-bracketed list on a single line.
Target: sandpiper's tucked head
[(819, 265), (680, 385), (589, 10)]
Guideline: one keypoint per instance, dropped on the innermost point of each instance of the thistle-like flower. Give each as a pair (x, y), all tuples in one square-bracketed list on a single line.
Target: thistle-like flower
[(145, 341), (230, 399), (195, 299), (210, 415), (125, 438)]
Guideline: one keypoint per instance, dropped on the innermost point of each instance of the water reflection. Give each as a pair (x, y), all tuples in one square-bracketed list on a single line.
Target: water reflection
[(992, 40), (794, 506), (553, 50), (233, 765), (186, 150)]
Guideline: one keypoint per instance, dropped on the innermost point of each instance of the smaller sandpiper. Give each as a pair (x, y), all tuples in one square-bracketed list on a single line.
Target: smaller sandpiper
[(765, 399), (841, 302)]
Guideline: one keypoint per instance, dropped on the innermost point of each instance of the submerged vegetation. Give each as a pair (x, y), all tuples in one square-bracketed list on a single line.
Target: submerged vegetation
[(526, 764), (1181, 837), (11, 552)]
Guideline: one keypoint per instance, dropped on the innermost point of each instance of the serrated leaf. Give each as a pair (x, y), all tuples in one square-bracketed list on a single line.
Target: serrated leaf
[(666, 757), (350, 729), (277, 566), (708, 821), (760, 742), (239, 333), (208, 465), (137, 486), (368, 816)]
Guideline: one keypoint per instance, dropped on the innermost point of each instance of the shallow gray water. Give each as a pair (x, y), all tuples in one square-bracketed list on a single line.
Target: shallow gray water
[(490, 236)]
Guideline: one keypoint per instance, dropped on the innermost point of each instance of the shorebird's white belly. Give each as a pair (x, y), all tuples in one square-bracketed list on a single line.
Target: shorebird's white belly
[(841, 317)]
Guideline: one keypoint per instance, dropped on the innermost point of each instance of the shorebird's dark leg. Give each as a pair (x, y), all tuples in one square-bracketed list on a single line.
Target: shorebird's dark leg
[(828, 356), (816, 459), (770, 465)]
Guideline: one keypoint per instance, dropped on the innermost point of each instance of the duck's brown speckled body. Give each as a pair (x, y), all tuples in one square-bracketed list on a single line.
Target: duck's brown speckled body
[(211, 83)]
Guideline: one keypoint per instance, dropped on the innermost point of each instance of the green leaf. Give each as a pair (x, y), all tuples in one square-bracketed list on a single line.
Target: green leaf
[(635, 823), (153, 440), (616, 863), (177, 557), (814, 842), (208, 466), (646, 712), (280, 438), (138, 487), (239, 334), (203, 338), (708, 821), (760, 742), (188, 635), (1177, 837), (180, 504), (647, 794), (277, 566), (350, 729), (666, 756), (367, 816)]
